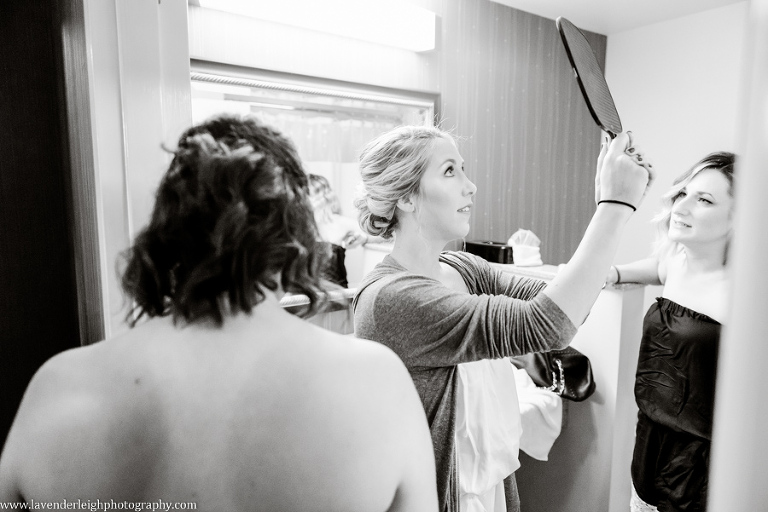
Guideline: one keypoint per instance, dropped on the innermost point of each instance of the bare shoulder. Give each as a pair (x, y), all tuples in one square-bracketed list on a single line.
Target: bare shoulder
[(63, 421), (671, 265), (57, 386), (367, 419), (385, 405), (672, 272), (366, 376), (367, 362), (81, 425)]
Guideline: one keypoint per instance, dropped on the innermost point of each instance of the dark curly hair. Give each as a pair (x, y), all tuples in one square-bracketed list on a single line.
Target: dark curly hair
[(231, 215)]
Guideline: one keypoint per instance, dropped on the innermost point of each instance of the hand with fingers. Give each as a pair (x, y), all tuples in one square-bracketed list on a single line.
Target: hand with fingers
[(623, 174)]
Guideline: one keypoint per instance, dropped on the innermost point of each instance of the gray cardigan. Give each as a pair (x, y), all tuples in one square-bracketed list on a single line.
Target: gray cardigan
[(433, 328)]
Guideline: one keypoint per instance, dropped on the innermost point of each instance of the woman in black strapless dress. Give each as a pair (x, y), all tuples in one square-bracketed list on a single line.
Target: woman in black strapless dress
[(675, 381)]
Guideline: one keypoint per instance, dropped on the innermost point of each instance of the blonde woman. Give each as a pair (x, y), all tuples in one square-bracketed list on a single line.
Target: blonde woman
[(439, 309), (675, 382)]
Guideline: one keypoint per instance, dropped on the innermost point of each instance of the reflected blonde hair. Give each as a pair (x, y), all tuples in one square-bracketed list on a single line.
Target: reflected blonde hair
[(320, 189), (722, 161), (391, 167)]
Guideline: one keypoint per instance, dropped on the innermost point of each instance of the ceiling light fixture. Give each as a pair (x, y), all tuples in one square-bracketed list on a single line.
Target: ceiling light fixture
[(388, 22)]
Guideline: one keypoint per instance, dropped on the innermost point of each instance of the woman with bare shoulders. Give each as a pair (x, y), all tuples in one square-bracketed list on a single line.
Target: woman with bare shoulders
[(216, 395), (675, 381)]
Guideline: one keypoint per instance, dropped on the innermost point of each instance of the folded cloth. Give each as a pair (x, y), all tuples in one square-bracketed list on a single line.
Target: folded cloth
[(525, 248), (541, 413), (488, 429)]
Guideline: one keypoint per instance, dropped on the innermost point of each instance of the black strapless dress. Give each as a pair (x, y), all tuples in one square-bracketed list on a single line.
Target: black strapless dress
[(675, 390)]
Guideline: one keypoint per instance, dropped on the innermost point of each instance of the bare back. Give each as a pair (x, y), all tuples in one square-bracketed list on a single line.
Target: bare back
[(267, 413)]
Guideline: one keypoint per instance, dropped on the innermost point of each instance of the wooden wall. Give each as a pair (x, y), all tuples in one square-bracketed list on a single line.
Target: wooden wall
[(531, 145)]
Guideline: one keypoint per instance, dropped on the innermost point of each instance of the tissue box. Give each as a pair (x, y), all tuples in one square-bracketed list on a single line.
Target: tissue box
[(495, 252)]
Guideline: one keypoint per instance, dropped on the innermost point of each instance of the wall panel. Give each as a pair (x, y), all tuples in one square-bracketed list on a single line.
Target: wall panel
[(529, 142)]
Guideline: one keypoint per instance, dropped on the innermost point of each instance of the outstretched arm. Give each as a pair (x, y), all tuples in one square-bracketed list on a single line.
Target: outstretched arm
[(641, 271), (621, 184)]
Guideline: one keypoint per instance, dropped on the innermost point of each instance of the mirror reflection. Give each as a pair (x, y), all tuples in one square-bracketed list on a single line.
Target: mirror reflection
[(329, 126)]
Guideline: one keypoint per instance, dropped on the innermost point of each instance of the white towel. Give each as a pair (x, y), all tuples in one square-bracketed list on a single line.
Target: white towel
[(542, 416), (488, 429)]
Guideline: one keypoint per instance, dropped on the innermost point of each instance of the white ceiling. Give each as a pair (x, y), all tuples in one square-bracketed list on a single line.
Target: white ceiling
[(611, 16)]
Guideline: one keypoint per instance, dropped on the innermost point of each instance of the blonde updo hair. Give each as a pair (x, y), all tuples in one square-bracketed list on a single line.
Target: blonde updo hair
[(391, 167)]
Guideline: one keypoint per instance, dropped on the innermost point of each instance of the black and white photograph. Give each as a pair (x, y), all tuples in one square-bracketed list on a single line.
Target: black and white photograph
[(383, 255)]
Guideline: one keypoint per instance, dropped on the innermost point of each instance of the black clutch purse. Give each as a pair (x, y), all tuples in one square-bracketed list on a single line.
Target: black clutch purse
[(566, 372)]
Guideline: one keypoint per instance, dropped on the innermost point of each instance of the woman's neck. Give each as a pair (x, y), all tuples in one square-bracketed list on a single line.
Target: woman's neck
[(418, 254), (704, 258)]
